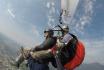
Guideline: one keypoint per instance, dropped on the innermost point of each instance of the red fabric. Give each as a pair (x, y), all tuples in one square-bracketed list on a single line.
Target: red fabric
[(78, 59), (54, 49)]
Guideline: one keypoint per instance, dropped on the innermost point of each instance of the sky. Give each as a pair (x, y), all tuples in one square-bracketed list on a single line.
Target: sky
[(25, 20)]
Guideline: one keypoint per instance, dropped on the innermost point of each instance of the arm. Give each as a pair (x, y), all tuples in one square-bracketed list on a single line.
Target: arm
[(47, 44), (41, 54)]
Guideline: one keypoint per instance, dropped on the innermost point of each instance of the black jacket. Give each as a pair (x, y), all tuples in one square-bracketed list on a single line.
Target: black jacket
[(68, 52), (47, 44)]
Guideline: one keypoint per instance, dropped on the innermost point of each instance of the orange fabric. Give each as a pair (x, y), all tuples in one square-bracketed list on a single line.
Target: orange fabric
[(78, 59)]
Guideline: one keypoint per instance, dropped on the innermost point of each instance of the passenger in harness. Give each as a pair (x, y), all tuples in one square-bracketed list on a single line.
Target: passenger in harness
[(40, 64)]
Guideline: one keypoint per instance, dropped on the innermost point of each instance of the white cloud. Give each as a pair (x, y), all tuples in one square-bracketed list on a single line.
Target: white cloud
[(51, 13), (48, 5), (94, 51), (88, 13), (85, 17), (20, 30), (28, 36), (25, 34)]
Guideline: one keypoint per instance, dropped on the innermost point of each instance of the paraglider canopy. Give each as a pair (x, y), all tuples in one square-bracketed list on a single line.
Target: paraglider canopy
[(68, 8)]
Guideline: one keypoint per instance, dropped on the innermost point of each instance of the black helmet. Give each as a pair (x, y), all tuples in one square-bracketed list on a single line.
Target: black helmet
[(49, 30)]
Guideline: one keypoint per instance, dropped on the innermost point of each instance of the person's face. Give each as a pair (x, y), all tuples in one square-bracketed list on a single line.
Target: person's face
[(45, 34)]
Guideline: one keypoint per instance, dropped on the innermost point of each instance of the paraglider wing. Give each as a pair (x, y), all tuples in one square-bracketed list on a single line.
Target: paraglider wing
[(68, 8)]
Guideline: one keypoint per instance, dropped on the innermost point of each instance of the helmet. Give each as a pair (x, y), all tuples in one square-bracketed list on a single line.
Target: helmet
[(65, 28), (49, 30)]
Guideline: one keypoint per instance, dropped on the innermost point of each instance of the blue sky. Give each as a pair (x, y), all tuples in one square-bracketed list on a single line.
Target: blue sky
[(25, 20), (20, 20)]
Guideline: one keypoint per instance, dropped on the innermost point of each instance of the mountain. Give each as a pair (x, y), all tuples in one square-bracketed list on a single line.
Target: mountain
[(8, 51), (92, 66), (8, 46)]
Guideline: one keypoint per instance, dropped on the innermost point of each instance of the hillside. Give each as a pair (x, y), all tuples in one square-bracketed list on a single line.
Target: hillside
[(8, 50)]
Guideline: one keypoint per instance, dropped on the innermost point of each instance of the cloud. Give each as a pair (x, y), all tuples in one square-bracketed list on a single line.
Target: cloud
[(27, 35), (30, 36), (24, 34), (22, 28), (51, 13), (48, 5), (94, 51), (84, 13)]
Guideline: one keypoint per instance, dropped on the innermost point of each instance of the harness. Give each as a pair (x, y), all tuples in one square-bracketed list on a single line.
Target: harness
[(68, 52), (69, 61)]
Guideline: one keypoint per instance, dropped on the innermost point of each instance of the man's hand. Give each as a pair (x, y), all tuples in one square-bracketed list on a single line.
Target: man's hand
[(25, 52)]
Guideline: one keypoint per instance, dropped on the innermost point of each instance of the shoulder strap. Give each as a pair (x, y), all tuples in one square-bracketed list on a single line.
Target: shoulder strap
[(73, 36)]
